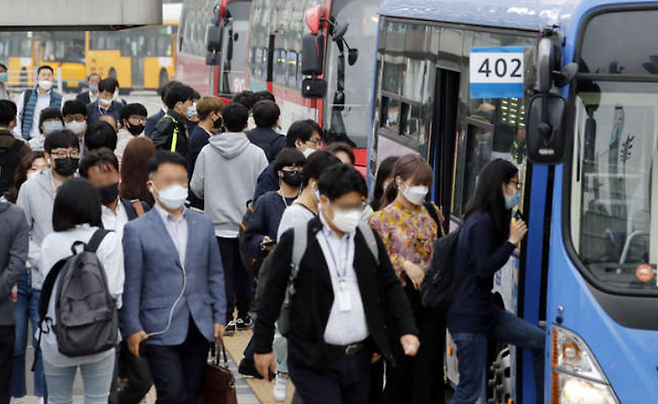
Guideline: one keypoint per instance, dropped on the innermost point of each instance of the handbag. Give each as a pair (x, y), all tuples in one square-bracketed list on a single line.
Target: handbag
[(218, 382)]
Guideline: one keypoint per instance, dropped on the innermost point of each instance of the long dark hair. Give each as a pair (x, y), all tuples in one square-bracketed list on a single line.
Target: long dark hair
[(489, 198), (20, 176), (384, 172), (133, 170), (77, 202)]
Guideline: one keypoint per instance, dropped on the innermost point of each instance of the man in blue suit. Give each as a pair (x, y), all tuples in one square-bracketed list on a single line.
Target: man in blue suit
[(174, 294)]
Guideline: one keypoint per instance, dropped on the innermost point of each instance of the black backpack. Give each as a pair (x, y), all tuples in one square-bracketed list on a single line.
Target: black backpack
[(440, 282), (87, 318), (10, 160), (266, 145)]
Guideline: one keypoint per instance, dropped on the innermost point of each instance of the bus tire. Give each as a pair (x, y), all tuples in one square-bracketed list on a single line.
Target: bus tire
[(164, 78)]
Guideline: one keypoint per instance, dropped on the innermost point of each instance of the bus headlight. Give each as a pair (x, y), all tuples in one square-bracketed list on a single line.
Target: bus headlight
[(577, 377)]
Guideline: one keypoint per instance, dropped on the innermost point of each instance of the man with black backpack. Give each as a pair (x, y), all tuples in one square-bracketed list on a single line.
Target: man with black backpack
[(12, 150), (266, 114), (170, 133)]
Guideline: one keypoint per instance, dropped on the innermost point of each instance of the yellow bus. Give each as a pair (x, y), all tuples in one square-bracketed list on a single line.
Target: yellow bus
[(141, 58), (17, 52), (64, 50)]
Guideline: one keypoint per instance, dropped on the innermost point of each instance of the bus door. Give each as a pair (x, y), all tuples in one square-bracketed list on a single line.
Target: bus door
[(133, 46)]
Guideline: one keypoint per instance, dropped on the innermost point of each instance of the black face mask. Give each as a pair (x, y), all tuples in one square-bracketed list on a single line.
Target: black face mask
[(135, 130), (218, 123), (109, 193), (66, 167), (292, 178)]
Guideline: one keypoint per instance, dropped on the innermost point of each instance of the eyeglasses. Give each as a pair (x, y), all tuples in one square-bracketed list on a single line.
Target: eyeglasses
[(317, 142), (64, 154), (138, 119)]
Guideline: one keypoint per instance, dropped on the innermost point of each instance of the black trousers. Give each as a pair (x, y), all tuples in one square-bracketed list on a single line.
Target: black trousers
[(7, 337), (419, 379), (177, 370), (236, 278), (132, 379), (345, 381)]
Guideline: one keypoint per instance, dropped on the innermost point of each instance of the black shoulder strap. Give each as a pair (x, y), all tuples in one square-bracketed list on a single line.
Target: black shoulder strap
[(47, 288), (432, 211), (96, 239)]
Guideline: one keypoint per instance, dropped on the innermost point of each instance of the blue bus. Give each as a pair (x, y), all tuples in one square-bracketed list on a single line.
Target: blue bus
[(568, 91)]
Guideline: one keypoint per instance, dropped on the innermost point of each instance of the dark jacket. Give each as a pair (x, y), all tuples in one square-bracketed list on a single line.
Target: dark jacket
[(198, 140), (14, 233), (151, 122), (267, 139), (386, 307), (131, 212), (264, 222), (479, 256), (7, 140), (163, 134), (267, 181), (84, 97), (94, 112)]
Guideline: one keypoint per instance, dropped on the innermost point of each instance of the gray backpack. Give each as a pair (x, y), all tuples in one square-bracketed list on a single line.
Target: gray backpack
[(87, 318), (298, 250)]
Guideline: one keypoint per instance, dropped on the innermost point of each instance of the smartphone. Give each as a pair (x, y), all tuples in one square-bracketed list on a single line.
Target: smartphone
[(143, 348)]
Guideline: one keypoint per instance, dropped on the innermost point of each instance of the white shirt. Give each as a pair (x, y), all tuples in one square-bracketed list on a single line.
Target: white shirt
[(43, 101), (123, 138), (293, 215), (56, 246), (344, 327), (177, 229), (115, 221)]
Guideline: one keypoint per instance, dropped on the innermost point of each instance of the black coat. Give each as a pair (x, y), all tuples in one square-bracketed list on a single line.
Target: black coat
[(163, 134), (386, 306), (84, 97)]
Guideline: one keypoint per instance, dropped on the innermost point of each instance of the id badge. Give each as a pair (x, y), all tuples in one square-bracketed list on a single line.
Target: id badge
[(344, 299)]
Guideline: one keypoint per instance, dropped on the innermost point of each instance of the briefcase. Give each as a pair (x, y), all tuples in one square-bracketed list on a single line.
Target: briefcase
[(218, 382)]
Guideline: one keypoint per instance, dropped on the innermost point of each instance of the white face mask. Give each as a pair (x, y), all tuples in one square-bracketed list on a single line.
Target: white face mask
[(76, 127), (173, 197), (32, 175), (415, 194), (346, 220), (104, 102), (308, 152), (46, 84)]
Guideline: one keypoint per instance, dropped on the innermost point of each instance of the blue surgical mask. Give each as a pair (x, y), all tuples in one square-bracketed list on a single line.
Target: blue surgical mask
[(3, 77), (512, 201), (93, 88), (191, 111), (52, 126)]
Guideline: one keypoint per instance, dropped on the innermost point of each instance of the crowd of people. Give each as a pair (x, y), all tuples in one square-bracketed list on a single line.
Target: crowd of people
[(130, 243)]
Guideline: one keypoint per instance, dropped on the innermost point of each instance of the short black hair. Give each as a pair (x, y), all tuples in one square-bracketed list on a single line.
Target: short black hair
[(108, 84), (7, 112), (235, 116), (50, 113), (73, 107), (60, 139), (45, 67), (316, 164), (132, 109), (77, 202), (176, 94), (3, 66), (196, 96), (263, 95), (98, 158), (302, 130), (245, 98), (289, 157), (266, 113), (338, 147), (100, 134), (164, 156), (165, 88), (339, 180)]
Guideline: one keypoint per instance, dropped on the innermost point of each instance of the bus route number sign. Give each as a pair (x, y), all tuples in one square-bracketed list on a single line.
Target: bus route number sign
[(496, 72)]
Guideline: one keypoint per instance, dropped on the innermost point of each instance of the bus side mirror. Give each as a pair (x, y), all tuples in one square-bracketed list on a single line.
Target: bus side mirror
[(214, 37), (546, 129), (313, 88), (312, 54)]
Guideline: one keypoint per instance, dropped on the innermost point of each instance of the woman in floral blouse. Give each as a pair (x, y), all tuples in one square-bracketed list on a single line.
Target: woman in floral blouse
[(408, 231)]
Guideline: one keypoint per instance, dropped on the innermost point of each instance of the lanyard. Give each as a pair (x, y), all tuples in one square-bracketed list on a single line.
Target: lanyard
[(343, 275)]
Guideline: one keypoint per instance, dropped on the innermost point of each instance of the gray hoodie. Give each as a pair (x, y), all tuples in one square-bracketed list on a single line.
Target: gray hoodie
[(225, 176), (37, 199), (13, 253)]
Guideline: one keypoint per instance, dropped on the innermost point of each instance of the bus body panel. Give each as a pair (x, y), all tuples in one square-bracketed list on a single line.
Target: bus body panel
[(193, 71)]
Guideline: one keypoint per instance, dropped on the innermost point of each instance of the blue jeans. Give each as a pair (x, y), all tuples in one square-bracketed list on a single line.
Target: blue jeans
[(96, 378), (26, 308), (472, 354)]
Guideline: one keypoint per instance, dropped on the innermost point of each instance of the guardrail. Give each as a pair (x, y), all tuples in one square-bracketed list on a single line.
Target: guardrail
[(21, 80)]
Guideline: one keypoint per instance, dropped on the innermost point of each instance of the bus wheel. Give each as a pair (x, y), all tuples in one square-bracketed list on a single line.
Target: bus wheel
[(500, 380), (164, 78)]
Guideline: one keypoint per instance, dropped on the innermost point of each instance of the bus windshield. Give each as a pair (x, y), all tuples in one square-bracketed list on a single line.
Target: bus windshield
[(351, 121), (614, 196), (15, 44)]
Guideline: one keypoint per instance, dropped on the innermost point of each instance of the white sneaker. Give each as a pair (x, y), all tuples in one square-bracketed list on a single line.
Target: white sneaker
[(41, 401), (280, 390), (18, 400)]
